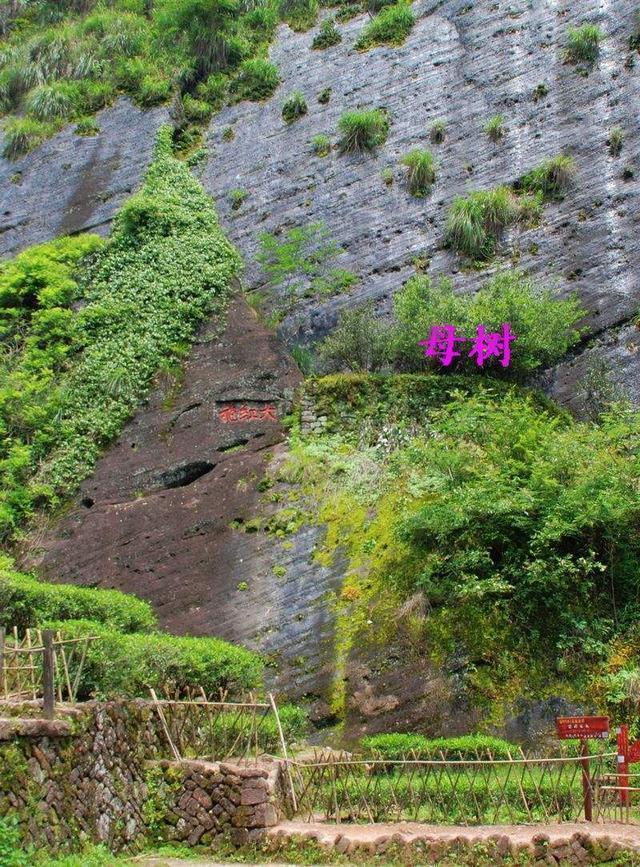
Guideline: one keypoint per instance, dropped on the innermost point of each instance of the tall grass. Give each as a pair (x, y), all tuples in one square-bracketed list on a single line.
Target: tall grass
[(551, 178), (475, 221), (391, 26), (583, 44), (362, 130), (421, 171)]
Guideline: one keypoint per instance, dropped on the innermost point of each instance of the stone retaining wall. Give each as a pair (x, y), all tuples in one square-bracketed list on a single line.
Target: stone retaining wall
[(100, 775)]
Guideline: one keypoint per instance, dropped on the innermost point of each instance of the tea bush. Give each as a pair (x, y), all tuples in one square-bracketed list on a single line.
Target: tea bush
[(127, 665), (398, 745), (545, 327), (27, 602)]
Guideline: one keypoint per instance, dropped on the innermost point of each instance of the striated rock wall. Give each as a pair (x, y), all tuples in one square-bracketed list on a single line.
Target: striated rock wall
[(462, 63), (76, 183)]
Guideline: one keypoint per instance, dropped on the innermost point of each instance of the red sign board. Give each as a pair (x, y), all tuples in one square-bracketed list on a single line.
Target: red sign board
[(582, 727), (633, 753)]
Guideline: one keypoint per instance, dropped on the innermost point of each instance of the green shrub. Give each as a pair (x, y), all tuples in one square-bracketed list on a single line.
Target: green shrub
[(196, 110), (348, 11), (300, 15), (87, 126), (58, 101), (438, 132), (551, 178), (294, 107), (12, 850), (360, 341), (494, 128), (256, 81), (237, 198), (27, 602), (214, 90), (396, 746), (22, 135), (583, 44), (127, 665), (328, 35), (77, 373), (540, 91), (324, 96), (475, 221), (321, 145), (387, 176), (545, 327), (294, 260), (391, 26), (616, 141), (362, 130), (154, 91), (421, 172)]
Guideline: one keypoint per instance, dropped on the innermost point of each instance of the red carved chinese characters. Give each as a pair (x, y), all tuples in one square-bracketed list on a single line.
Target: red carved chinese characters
[(230, 413)]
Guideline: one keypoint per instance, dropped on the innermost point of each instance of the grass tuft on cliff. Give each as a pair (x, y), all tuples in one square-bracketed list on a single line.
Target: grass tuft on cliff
[(64, 61), (72, 375), (391, 26)]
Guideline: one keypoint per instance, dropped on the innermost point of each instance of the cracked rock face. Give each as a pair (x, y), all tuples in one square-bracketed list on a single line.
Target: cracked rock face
[(76, 183), (462, 63)]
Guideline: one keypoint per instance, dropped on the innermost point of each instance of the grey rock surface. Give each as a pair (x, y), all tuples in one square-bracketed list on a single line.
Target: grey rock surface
[(76, 183), (462, 63)]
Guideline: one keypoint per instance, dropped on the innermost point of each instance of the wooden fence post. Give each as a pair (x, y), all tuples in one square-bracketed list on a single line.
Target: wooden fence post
[(48, 676), (586, 781), (623, 764)]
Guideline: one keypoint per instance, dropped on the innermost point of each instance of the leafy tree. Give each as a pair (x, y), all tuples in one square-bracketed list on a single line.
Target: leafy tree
[(359, 342), (545, 327)]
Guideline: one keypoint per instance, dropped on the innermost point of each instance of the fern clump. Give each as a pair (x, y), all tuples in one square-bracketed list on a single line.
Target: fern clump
[(362, 130)]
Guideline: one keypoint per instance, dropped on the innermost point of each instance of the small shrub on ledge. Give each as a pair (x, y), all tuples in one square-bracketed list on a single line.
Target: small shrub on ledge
[(438, 132), (329, 35), (362, 130), (494, 128), (421, 172), (551, 178), (391, 26), (256, 81), (583, 44), (321, 145), (295, 106)]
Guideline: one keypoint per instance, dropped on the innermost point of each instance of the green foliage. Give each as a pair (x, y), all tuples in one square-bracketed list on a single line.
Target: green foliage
[(299, 14), (300, 261), (551, 178), (421, 171), (616, 141), (397, 745), (196, 110), (67, 65), (72, 376), (583, 44), (494, 128), (359, 341), (87, 126), (119, 664), (438, 132), (362, 130), (475, 221), (324, 96), (294, 107), (540, 91), (321, 145), (327, 36), (27, 602), (22, 135), (545, 327), (391, 26), (12, 853), (387, 176), (256, 81), (237, 198)]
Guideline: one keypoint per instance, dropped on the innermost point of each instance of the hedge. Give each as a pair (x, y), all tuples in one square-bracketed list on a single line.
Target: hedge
[(118, 665), (398, 745), (25, 601)]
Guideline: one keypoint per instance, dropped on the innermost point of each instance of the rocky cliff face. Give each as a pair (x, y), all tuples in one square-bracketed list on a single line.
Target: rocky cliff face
[(166, 514)]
